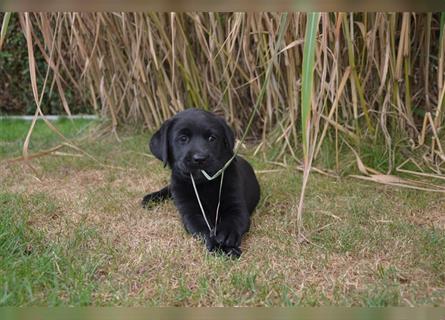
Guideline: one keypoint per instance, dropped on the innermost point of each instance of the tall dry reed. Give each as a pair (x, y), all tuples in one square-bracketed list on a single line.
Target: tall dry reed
[(376, 74)]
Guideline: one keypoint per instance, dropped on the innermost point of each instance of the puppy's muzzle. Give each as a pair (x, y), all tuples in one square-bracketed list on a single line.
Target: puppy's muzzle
[(199, 159)]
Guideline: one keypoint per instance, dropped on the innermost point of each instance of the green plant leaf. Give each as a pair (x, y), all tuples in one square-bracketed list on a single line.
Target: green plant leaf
[(5, 24)]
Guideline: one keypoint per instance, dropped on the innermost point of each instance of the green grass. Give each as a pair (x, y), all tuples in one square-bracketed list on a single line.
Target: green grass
[(33, 271), (72, 233), (13, 134)]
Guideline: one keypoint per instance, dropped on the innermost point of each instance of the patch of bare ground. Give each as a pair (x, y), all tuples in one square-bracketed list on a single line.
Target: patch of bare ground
[(433, 217)]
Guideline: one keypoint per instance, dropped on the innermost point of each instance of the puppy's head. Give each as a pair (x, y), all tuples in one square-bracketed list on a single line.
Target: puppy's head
[(193, 140)]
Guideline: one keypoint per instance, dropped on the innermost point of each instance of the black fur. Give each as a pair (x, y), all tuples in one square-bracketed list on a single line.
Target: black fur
[(195, 140)]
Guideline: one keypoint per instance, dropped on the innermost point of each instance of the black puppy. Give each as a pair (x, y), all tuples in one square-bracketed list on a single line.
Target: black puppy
[(195, 140)]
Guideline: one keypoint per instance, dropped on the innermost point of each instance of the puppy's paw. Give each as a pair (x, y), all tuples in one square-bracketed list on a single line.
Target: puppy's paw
[(228, 238), (233, 252), (211, 243), (151, 199), (147, 201)]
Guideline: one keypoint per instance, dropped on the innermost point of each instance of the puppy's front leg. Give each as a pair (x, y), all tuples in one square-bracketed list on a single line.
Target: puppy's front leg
[(163, 194), (195, 224), (234, 222)]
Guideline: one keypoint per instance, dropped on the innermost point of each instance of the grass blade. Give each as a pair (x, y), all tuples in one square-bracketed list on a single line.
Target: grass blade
[(4, 29), (307, 79)]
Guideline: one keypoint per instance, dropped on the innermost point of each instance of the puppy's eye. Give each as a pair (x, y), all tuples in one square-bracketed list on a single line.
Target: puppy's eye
[(183, 138), (212, 138)]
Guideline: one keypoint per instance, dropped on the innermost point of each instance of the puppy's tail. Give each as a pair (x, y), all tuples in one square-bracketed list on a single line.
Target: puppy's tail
[(158, 196)]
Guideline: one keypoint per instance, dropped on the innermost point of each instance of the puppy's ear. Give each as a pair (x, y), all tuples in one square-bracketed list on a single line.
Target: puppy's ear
[(229, 136), (159, 142)]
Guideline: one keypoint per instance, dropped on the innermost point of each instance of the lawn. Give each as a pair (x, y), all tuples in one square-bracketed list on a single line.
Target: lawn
[(72, 232)]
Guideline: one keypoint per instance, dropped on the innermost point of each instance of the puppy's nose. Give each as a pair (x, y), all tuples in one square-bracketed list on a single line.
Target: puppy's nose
[(199, 158)]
